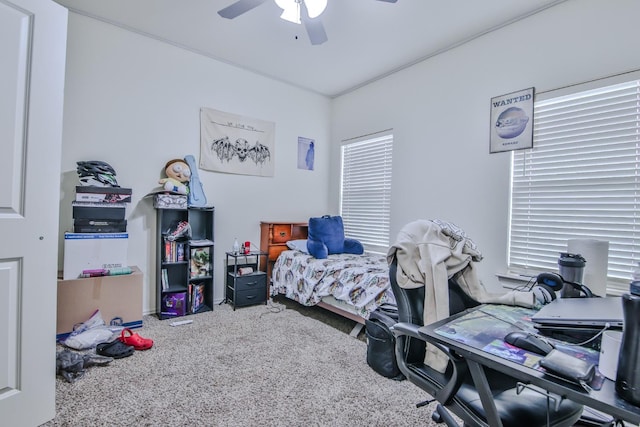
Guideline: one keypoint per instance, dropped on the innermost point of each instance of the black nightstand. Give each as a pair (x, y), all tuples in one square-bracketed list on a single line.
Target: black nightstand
[(246, 284)]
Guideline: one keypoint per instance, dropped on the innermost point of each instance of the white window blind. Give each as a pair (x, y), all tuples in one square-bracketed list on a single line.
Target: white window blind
[(580, 180), (365, 200)]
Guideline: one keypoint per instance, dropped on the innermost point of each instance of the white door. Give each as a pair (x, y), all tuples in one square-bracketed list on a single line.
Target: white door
[(32, 64)]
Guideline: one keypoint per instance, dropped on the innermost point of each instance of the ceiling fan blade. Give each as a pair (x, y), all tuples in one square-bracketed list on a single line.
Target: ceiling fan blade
[(239, 7), (314, 26), (315, 30)]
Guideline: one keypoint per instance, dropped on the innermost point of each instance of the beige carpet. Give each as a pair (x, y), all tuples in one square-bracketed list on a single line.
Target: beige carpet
[(275, 365)]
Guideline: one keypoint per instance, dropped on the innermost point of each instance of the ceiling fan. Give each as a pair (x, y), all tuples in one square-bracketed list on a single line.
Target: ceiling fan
[(296, 11)]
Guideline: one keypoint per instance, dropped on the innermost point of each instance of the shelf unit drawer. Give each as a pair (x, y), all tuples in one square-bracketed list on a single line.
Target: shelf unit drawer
[(281, 233), (250, 281), (252, 296)]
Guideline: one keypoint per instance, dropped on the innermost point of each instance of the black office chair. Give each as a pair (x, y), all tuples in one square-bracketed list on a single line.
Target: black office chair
[(454, 388)]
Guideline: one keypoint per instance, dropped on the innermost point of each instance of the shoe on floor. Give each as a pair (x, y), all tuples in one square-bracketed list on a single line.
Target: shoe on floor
[(116, 349), (139, 343)]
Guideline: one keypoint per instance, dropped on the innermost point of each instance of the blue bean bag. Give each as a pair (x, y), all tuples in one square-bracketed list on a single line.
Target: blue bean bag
[(326, 237)]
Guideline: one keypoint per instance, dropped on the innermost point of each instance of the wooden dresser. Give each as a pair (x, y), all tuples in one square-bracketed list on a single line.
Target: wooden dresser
[(274, 237)]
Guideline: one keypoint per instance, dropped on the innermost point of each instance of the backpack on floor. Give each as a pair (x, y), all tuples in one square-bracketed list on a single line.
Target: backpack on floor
[(381, 344)]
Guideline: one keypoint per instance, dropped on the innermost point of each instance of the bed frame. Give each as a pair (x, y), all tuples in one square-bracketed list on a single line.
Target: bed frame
[(333, 305)]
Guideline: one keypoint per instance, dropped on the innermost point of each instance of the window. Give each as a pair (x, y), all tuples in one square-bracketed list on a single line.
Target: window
[(580, 180), (365, 198)]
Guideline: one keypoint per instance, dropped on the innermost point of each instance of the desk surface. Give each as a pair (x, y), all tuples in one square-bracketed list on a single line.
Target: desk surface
[(477, 335)]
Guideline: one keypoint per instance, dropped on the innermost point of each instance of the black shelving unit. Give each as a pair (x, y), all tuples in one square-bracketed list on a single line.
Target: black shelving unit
[(184, 263)]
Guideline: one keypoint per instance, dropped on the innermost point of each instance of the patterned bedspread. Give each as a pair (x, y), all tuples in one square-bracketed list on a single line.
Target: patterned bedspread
[(362, 281)]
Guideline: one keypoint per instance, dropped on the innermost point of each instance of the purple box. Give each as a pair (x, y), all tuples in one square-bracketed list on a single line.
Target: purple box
[(174, 304)]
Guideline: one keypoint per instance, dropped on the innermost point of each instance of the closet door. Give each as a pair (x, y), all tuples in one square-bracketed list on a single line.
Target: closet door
[(33, 52)]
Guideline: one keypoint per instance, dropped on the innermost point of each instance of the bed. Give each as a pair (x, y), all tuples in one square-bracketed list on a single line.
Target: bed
[(350, 285)]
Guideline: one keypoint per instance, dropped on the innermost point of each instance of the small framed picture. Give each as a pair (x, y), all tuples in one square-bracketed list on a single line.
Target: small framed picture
[(306, 153), (512, 121)]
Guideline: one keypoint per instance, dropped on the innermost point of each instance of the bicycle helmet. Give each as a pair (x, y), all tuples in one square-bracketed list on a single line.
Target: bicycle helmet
[(96, 173)]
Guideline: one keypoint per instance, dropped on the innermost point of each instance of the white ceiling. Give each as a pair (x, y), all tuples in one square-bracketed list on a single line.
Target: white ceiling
[(367, 39)]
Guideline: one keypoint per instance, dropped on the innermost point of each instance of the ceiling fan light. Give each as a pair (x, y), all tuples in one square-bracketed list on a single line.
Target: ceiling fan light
[(291, 16), (315, 7), (290, 10)]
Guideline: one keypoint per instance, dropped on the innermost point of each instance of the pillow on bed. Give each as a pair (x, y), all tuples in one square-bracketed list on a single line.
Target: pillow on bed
[(299, 245), (326, 237)]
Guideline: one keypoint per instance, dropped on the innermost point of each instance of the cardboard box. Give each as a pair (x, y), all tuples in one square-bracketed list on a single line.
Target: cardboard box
[(115, 296), (89, 251)]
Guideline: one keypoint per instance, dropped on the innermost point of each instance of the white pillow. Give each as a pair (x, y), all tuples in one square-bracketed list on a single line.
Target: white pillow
[(299, 245)]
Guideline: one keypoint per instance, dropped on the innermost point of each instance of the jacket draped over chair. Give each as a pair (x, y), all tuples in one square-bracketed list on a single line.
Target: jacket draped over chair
[(428, 253)]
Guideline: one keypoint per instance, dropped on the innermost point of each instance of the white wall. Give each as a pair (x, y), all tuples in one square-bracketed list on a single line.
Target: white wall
[(439, 110), (134, 102)]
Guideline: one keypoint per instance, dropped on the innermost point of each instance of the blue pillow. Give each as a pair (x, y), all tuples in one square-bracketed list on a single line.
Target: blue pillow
[(353, 246), (326, 237)]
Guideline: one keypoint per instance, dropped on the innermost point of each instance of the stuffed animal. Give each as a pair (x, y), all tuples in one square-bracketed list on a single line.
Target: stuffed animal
[(178, 176)]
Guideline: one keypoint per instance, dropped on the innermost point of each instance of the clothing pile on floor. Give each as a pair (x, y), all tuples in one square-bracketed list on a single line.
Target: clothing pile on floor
[(110, 342)]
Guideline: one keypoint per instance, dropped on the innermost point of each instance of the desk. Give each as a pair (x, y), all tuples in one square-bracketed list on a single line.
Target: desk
[(605, 399)]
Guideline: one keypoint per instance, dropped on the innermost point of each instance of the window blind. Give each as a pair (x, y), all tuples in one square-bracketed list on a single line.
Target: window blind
[(580, 180), (365, 199)]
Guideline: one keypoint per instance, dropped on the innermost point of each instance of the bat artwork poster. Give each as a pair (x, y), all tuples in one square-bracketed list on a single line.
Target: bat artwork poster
[(230, 143)]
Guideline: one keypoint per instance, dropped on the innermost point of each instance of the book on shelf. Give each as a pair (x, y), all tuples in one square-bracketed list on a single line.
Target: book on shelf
[(167, 251), (173, 251), (200, 262), (180, 251), (197, 297), (165, 279)]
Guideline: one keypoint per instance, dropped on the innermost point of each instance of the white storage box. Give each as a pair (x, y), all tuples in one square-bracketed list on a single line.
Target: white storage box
[(89, 251), (170, 201)]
